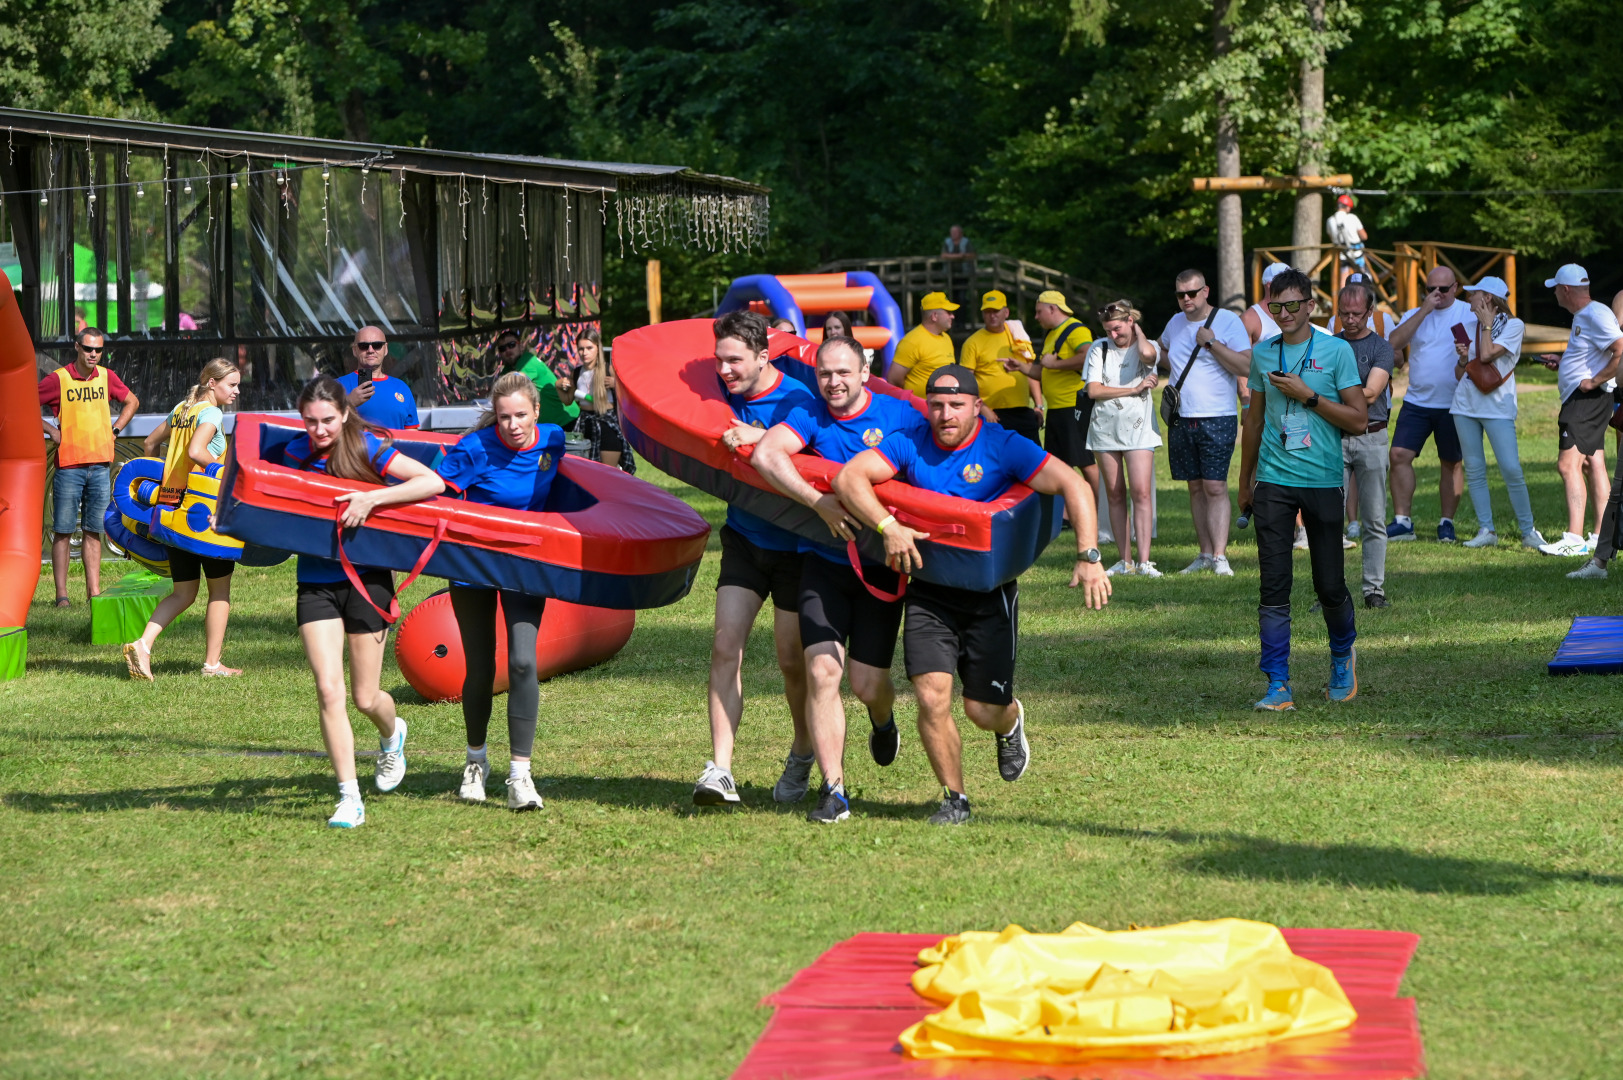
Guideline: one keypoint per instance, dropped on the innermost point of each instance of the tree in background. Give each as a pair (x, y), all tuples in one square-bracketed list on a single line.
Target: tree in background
[(79, 56)]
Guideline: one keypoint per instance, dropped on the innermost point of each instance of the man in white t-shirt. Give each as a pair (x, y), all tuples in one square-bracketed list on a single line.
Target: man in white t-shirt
[(1428, 335), (1584, 380), (1259, 325), (1347, 232), (1208, 353)]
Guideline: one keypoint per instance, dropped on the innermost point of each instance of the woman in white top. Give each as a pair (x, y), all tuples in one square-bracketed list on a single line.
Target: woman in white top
[(1120, 376), (1492, 412)]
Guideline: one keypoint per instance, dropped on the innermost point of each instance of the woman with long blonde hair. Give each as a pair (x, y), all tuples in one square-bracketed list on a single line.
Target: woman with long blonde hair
[(195, 431), (595, 393)]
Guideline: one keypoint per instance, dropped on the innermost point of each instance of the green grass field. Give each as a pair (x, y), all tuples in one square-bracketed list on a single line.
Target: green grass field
[(176, 906)]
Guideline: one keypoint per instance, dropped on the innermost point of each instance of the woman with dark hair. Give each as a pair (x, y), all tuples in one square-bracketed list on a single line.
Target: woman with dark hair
[(595, 394), (332, 611), (509, 460), (837, 324)]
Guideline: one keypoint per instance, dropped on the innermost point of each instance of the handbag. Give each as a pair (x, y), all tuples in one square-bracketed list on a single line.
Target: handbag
[(1486, 377), (1174, 391)]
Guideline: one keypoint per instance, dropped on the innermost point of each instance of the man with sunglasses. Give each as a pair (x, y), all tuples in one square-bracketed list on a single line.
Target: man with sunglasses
[(557, 394), (1428, 334), (388, 403), (1305, 392), (78, 397), (1205, 350)]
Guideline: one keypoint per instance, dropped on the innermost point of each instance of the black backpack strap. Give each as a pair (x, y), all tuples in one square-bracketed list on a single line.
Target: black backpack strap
[(1192, 352)]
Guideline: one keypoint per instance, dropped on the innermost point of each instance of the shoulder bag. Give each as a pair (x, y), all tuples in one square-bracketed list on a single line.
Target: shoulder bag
[(1485, 377), (1170, 396)]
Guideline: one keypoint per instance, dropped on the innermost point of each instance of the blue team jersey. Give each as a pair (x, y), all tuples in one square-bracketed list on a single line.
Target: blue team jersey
[(392, 404), (980, 469), (841, 438), (313, 570), (484, 469), (763, 411)]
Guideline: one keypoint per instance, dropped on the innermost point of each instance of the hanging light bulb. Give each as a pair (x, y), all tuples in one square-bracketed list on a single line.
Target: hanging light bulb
[(324, 173), (233, 181), (92, 197), (140, 192), (188, 188), (43, 201)]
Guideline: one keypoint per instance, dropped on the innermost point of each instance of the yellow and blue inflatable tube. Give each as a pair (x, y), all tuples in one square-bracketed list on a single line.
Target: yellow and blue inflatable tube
[(129, 523), (189, 526)]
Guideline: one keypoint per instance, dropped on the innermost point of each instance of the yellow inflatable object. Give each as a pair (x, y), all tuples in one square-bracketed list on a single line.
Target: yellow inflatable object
[(1189, 990)]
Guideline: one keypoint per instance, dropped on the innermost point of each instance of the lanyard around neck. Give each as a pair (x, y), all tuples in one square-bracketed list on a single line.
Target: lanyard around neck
[(1306, 356)]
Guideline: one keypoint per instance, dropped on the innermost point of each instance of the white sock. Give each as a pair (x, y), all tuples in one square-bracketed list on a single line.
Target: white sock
[(1403, 519), (480, 755), (518, 768), (392, 742), (349, 789), (1445, 521)]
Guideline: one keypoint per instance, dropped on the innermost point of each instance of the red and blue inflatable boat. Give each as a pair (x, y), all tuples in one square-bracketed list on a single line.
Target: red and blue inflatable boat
[(674, 410), (605, 539)]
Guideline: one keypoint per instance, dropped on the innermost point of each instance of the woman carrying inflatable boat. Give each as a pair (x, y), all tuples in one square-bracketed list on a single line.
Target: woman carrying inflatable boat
[(195, 430)]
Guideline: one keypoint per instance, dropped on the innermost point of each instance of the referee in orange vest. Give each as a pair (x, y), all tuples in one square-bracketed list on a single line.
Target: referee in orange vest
[(78, 395)]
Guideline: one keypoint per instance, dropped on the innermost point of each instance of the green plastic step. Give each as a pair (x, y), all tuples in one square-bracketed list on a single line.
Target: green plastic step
[(121, 613), (13, 652)]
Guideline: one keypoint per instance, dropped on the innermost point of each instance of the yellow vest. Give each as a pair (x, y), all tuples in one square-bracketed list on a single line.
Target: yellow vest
[(921, 352), (178, 464), (85, 418), (1060, 387), (1000, 388)]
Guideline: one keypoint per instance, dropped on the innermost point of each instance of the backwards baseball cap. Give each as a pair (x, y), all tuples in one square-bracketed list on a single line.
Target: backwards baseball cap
[(1570, 274), (1055, 297), (994, 300), (937, 301), (1493, 286), (1273, 270), (952, 379)]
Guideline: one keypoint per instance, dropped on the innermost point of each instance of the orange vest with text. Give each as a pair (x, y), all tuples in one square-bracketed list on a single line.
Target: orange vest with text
[(85, 418)]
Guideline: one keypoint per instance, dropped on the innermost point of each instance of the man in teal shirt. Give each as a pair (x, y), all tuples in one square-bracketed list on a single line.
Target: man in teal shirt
[(554, 409), (1305, 391)]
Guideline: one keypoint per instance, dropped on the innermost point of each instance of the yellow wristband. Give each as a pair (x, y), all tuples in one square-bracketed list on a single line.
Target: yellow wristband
[(889, 519)]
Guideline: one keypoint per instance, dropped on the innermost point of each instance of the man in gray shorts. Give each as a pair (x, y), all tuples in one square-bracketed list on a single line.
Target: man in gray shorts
[(1365, 456)]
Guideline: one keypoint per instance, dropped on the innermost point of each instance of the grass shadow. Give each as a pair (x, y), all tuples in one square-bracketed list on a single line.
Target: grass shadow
[(255, 795)]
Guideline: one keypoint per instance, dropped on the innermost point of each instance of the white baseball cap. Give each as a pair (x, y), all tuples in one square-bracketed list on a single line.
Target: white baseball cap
[(1273, 270), (1570, 274), (1493, 286)]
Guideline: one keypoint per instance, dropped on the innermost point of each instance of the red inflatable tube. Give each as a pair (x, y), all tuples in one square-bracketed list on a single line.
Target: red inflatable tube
[(428, 646), (675, 413), (22, 463)]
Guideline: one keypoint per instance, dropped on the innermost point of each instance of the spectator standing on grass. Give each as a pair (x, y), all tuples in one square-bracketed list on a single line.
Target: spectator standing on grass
[(1008, 394), (388, 403), (1206, 350), (1584, 380), (1594, 569), (1059, 371), (926, 347), (1258, 323), (1496, 346), (1305, 391), (557, 391), (85, 433), (1428, 334), (599, 412), (1120, 376), (1364, 454)]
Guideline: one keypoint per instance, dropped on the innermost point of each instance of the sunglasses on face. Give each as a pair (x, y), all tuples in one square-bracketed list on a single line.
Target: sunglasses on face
[(371, 345), (1438, 288), (1292, 306), (1185, 294), (506, 345), (93, 350)]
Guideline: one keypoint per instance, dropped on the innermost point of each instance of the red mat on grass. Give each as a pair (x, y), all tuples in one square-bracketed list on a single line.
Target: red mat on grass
[(839, 1019)]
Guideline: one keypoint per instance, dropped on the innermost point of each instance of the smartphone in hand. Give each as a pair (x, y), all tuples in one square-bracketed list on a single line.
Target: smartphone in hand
[(362, 375), (1460, 334)]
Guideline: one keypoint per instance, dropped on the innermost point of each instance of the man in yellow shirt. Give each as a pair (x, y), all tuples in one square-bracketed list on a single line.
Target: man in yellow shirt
[(1007, 394), (1065, 433), (925, 347)]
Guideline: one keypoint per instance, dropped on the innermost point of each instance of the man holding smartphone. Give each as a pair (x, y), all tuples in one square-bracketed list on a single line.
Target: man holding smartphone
[(388, 403), (1305, 391), (1429, 333)]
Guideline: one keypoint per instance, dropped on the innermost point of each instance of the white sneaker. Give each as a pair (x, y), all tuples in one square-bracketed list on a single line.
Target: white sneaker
[(1591, 542), (521, 793), (1569, 545), (1202, 562), (1354, 529), (1347, 543), (715, 786), (1147, 569), (392, 758), (1533, 539), (350, 813), (1591, 570), (1483, 538), (1300, 543), (1121, 567), (473, 780), (1221, 567)]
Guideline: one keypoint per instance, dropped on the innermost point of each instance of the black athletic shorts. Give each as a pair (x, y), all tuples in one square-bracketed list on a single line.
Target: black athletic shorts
[(1022, 420), (1065, 433), (184, 566), (1583, 419), (972, 633), (322, 600), (835, 606), (774, 574)]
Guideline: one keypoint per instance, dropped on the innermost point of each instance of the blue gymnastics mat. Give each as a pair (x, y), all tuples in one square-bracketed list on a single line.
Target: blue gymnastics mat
[(1594, 646)]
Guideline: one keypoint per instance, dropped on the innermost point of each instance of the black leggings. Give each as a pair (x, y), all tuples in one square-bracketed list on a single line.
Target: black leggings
[(476, 619)]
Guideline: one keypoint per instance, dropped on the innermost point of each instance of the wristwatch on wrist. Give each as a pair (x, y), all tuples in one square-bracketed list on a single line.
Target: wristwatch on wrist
[(1089, 555), (1312, 402)]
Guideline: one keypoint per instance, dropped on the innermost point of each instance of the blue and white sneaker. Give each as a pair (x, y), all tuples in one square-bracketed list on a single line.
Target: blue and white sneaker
[(1445, 532), (832, 806), (1277, 699), (392, 758), (1397, 532), (350, 814), (1343, 677)]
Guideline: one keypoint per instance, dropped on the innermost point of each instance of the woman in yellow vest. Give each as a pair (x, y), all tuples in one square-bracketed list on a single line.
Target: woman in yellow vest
[(196, 433)]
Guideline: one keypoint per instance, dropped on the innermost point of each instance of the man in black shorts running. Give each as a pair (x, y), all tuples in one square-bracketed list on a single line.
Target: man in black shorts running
[(950, 629)]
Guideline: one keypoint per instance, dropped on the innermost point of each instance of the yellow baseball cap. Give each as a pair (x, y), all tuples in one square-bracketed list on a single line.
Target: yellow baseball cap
[(1057, 298), (994, 300), (937, 301)]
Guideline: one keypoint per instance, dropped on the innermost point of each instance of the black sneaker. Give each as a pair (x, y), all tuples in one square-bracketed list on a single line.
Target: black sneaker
[(885, 742), (1013, 752), (954, 810), (831, 806), (1376, 599)]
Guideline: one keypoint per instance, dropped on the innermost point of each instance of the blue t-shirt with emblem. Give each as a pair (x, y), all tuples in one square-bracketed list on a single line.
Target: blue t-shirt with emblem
[(982, 468), (484, 469), (763, 411), (318, 571), (392, 404), (841, 438), (1328, 367)]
